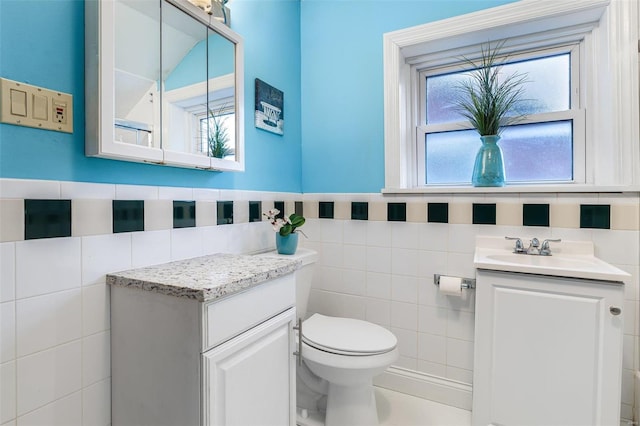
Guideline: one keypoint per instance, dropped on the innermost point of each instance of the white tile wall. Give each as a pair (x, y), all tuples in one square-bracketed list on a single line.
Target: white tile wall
[(48, 375), (54, 303), (7, 271), (46, 266), (7, 331), (66, 411), (102, 254), (48, 320), (96, 404), (96, 358), (435, 332), (8, 391), (379, 271), (95, 308)]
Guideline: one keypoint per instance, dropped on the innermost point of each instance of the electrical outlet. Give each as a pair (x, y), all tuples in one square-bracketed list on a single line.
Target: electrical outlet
[(26, 105)]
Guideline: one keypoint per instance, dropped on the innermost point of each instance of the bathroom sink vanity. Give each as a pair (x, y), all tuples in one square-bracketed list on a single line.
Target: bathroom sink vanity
[(204, 341), (548, 346)]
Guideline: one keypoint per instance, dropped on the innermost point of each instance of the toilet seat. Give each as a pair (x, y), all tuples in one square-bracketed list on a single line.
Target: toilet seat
[(347, 336)]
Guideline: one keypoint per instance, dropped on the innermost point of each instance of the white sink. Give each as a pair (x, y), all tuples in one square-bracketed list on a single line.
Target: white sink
[(567, 262), (573, 259)]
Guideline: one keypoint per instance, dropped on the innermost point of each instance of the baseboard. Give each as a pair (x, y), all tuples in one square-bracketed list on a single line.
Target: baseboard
[(438, 389)]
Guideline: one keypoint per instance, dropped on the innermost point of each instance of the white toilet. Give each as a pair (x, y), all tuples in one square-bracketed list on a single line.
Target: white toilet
[(340, 358)]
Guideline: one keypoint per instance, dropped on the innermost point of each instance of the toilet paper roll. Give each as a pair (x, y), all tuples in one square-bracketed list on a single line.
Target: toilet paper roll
[(451, 286)]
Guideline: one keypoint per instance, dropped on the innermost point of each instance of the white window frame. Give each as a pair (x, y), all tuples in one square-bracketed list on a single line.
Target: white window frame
[(607, 32), (575, 113)]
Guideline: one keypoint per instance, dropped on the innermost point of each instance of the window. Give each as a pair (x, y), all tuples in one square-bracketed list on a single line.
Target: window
[(540, 148), (225, 118), (582, 134)]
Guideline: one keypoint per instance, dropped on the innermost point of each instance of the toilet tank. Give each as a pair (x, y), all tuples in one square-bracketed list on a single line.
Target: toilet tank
[(304, 275)]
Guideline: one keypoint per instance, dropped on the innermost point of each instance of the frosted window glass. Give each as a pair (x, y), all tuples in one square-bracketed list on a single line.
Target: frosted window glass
[(547, 88), (531, 152)]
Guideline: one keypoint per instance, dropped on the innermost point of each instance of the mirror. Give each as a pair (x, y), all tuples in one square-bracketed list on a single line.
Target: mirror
[(137, 95), (175, 79)]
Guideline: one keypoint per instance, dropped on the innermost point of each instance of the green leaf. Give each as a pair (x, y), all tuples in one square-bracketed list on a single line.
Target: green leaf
[(286, 230), (296, 220)]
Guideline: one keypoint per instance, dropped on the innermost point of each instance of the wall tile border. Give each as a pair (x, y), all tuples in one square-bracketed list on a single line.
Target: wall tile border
[(587, 211)]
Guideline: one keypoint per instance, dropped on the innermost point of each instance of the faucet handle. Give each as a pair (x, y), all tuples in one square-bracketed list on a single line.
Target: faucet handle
[(519, 248), (535, 242), (545, 250)]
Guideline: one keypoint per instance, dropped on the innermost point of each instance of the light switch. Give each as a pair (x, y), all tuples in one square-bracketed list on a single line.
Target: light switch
[(23, 104), (18, 102), (40, 107)]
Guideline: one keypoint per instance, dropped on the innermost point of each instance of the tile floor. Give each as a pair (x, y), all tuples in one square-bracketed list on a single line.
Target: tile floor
[(399, 409)]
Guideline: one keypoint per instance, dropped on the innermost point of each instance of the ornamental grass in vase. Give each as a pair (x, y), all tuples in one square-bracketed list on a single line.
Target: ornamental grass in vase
[(488, 99)]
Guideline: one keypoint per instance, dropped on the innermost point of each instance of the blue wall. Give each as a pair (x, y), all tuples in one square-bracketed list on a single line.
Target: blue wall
[(342, 85), (190, 70), (42, 43), (333, 92)]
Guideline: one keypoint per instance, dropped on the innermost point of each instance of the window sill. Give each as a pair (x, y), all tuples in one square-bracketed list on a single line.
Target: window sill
[(512, 189)]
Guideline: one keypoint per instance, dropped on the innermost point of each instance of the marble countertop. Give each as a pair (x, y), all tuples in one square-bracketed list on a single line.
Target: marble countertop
[(205, 278)]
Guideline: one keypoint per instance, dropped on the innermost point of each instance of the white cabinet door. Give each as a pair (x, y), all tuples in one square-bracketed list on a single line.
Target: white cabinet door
[(250, 380), (547, 351)]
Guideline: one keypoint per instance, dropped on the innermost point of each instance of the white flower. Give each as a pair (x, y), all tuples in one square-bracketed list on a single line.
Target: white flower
[(277, 224)]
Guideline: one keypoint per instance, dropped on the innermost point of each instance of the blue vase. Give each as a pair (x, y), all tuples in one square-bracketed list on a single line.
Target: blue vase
[(488, 169), (287, 244)]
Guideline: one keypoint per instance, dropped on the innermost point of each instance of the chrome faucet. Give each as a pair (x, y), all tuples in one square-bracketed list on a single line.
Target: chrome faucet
[(545, 250), (534, 246), (519, 248)]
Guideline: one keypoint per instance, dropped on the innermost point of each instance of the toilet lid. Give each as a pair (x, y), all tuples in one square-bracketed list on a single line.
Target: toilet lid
[(347, 336)]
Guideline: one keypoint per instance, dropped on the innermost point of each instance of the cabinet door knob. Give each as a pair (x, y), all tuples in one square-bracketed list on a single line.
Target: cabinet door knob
[(615, 310)]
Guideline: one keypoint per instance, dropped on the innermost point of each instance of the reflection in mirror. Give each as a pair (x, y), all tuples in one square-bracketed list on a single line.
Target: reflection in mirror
[(198, 74), (220, 120), (137, 34), (184, 80)]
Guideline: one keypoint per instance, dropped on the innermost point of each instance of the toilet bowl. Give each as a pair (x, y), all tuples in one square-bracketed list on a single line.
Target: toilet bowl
[(341, 356)]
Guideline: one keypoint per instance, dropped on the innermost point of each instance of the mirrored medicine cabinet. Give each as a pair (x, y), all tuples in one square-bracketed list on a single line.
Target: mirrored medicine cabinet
[(164, 85)]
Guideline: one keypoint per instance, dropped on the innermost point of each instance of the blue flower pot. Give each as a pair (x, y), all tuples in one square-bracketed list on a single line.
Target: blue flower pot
[(488, 169), (287, 244)]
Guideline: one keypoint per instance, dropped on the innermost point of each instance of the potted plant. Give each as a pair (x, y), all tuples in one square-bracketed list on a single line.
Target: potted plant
[(488, 100), (286, 230)]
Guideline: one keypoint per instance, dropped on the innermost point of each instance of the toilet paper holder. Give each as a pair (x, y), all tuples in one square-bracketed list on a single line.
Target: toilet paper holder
[(466, 282)]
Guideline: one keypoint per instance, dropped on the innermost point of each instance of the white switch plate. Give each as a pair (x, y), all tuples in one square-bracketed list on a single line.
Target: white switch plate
[(45, 109)]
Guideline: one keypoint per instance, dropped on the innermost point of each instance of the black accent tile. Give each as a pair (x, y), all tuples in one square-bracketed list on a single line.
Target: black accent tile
[(325, 209), (397, 212), (438, 212), (184, 214), (359, 210), (280, 206), (595, 216), (225, 212), (47, 219), (255, 211), (484, 214), (535, 214), (128, 215), (299, 208)]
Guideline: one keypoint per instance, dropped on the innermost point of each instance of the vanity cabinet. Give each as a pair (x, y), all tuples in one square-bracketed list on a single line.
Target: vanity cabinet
[(180, 361), (548, 350)]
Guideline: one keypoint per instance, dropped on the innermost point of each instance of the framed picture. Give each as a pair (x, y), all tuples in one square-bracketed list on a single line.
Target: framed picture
[(269, 108)]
